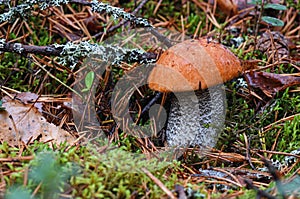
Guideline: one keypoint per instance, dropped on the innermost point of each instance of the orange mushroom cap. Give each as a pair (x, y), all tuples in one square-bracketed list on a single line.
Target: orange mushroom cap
[(194, 65)]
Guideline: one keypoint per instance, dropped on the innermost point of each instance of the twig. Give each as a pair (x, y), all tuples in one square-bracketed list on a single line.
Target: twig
[(16, 159), (260, 193), (159, 183), (258, 17), (25, 49), (82, 2), (153, 31), (148, 106), (160, 37), (42, 67), (281, 120), (248, 156), (123, 22), (180, 191), (275, 176), (51, 50)]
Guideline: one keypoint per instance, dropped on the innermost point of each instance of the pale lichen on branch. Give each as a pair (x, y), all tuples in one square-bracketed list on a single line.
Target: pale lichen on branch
[(117, 13), (24, 9), (70, 53)]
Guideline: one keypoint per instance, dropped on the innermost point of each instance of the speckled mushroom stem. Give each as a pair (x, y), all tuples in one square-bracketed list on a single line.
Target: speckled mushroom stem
[(196, 118)]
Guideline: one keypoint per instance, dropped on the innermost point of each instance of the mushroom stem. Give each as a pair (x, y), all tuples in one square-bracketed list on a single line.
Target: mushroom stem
[(196, 118)]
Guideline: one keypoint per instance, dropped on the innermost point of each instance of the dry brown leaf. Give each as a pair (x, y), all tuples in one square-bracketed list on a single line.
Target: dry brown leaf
[(28, 98), (270, 83), (92, 24), (230, 7), (23, 122)]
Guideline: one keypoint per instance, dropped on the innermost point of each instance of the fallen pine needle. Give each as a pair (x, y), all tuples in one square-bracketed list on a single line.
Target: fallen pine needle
[(159, 183)]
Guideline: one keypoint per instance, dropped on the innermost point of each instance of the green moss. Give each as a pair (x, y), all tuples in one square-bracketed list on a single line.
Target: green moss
[(90, 174)]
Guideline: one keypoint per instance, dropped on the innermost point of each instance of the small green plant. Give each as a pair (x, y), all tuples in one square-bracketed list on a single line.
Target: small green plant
[(270, 20), (45, 171), (89, 79), (18, 192)]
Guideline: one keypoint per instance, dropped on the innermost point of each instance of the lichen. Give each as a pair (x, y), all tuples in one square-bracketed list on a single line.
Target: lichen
[(71, 53), (23, 10), (46, 4), (117, 13), (280, 165), (2, 44), (18, 48), (20, 10), (241, 83), (4, 1)]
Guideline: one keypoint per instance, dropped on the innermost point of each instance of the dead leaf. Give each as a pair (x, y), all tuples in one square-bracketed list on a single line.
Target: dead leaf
[(92, 24), (230, 7), (29, 98), (23, 122), (271, 83)]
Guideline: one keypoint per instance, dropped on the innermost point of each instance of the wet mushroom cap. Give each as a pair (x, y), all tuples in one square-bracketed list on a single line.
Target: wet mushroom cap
[(201, 63)]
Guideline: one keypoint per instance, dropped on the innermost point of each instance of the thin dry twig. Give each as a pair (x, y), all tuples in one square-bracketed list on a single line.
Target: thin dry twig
[(159, 183)]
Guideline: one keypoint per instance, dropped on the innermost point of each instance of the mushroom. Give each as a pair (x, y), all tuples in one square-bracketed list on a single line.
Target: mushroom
[(194, 71)]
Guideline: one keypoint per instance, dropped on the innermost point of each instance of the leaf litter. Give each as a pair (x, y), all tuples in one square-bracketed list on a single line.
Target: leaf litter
[(22, 121)]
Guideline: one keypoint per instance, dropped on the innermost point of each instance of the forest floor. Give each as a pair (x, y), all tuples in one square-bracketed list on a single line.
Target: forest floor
[(76, 108)]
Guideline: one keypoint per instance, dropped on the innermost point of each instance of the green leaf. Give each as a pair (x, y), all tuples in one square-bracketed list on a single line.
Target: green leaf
[(292, 185), (1, 107), (273, 21), (89, 79), (275, 6), (256, 2)]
